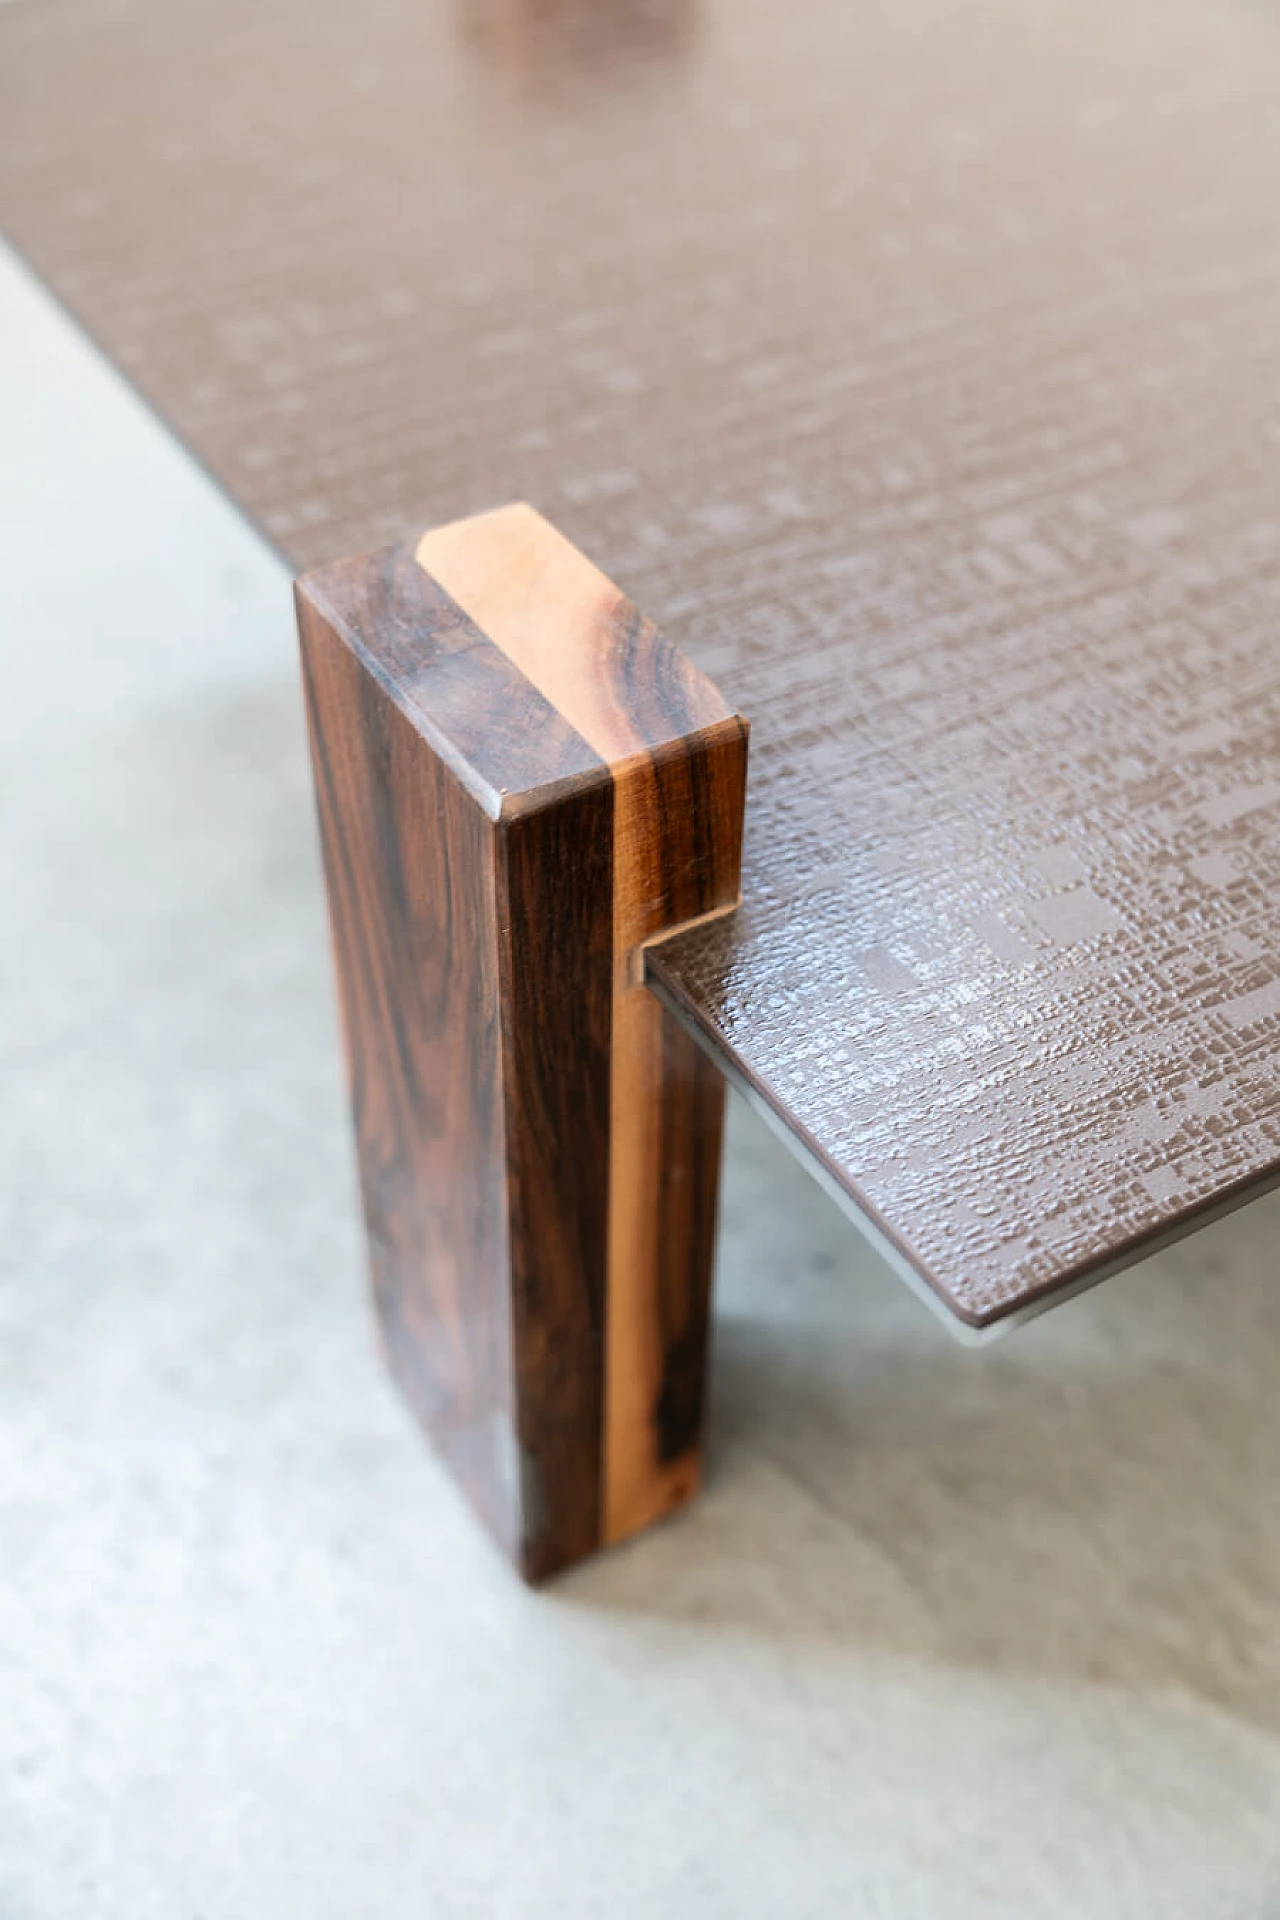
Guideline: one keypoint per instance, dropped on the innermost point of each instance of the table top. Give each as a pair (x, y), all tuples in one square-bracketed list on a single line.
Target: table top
[(918, 369)]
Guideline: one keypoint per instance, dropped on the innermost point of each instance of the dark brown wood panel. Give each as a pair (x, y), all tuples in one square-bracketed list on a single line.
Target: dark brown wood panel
[(918, 372), (484, 1164), (555, 951)]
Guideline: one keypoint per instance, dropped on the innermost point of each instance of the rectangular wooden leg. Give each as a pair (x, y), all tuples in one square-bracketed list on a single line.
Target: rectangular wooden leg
[(520, 784)]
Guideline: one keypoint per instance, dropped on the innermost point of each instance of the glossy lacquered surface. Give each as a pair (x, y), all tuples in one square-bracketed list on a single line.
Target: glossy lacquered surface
[(918, 370)]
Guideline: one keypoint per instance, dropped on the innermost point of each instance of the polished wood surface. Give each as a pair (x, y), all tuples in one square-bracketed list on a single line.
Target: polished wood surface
[(677, 855), (917, 372), (519, 783)]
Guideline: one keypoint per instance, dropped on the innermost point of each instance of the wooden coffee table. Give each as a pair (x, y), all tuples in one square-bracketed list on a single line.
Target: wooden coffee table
[(915, 373)]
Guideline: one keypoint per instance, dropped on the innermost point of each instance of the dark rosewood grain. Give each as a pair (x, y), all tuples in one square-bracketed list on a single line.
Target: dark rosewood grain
[(539, 1147)]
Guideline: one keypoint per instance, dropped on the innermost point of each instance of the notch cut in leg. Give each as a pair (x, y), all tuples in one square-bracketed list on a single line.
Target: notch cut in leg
[(520, 783)]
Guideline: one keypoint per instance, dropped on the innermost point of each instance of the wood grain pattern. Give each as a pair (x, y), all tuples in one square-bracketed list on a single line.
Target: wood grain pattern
[(919, 380), (474, 1145), (539, 1147), (636, 700)]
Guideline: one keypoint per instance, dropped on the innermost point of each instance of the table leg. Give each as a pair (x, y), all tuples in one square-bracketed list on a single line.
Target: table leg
[(520, 784)]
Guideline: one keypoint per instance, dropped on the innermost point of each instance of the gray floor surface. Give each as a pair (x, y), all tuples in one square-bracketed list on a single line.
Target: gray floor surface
[(950, 1634)]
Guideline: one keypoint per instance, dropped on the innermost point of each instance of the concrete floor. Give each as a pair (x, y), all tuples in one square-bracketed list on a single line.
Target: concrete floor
[(949, 1634)]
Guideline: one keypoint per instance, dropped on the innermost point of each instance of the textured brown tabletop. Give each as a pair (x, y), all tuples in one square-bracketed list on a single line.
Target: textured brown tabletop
[(918, 367)]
